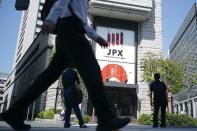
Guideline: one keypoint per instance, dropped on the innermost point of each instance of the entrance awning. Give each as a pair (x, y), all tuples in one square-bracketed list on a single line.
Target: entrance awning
[(125, 10), (119, 85)]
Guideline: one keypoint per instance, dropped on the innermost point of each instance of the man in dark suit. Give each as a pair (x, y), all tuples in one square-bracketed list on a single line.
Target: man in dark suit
[(72, 46), (158, 91)]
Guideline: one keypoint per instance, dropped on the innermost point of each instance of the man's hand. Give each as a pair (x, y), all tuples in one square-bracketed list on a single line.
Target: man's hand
[(47, 27), (102, 42)]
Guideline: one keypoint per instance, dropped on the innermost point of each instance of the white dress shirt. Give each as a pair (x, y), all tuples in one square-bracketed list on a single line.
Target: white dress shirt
[(60, 9)]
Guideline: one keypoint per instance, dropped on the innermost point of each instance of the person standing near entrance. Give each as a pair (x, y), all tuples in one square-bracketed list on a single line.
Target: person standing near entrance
[(72, 46), (72, 96), (158, 91)]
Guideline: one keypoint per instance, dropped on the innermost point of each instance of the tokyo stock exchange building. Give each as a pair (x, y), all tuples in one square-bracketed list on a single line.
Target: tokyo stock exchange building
[(131, 28)]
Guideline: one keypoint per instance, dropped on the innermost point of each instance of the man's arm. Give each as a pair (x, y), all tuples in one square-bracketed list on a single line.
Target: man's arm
[(51, 20), (77, 78), (151, 100), (166, 88), (151, 95), (91, 33)]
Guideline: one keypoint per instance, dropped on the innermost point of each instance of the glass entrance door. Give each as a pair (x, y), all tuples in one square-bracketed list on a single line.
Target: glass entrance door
[(123, 100)]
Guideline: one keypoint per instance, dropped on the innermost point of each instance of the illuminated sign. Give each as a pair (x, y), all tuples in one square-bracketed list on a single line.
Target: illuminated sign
[(117, 62)]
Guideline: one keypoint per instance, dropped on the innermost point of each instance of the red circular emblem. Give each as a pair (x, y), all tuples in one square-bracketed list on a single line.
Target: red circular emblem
[(114, 72)]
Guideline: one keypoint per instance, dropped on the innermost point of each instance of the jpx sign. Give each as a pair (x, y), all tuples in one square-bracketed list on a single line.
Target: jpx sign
[(117, 62), (121, 45), (115, 52)]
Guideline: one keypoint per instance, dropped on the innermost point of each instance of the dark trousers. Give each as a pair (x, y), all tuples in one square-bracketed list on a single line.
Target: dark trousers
[(157, 107), (71, 47), (68, 111), (71, 104)]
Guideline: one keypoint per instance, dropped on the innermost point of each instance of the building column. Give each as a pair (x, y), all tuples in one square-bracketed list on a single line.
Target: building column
[(179, 109), (184, 111), (190, 107), (175, 107), (194, 108)]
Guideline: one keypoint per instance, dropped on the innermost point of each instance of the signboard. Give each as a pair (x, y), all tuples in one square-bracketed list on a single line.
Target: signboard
[(117, 62)]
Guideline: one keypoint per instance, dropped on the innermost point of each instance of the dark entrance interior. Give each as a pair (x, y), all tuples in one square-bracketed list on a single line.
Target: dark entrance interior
[(124, 100)]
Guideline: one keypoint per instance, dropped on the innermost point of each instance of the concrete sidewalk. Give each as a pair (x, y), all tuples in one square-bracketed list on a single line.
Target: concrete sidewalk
[(53, 126)]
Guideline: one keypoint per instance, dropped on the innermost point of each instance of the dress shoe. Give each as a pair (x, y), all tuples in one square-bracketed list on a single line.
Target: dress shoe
[(17, 124), (102, 128), (155, 126), (112, 124), (83, 126), (66, 126)]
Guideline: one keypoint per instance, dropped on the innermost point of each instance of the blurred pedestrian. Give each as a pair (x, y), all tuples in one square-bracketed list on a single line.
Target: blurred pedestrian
[(72, 96), (72, 46)]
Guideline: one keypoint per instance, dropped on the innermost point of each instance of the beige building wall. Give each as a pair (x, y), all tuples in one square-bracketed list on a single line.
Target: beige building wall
[(150, 40)]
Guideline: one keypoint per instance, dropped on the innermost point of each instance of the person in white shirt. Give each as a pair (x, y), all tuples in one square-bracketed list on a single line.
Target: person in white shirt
[(70, 19)]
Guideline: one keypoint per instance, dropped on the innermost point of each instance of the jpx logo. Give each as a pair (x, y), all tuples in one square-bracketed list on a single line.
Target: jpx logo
[(115, 39), (115, 52)]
